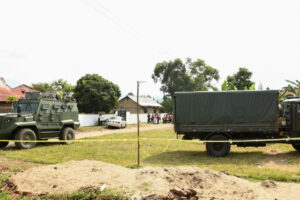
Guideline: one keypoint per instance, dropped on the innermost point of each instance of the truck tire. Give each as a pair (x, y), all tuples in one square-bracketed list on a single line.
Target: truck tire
[(67, 134), (3, 144), (25, 134), (296, 146), (218, 149)]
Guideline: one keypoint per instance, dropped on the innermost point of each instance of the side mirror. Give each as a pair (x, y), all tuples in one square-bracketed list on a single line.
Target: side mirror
[(19, 110)]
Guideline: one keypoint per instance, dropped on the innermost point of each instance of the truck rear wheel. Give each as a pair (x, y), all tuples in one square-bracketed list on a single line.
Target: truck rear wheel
[(3, 144), (218, 149), (67, 134), (25, 134)]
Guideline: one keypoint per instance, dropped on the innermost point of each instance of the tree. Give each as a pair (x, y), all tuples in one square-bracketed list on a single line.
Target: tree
[(189, 76), (226, 86), (167, 105), (241, 80), (62, 86), (293, 87), (12, 99), (95, 94), (59, 85), (42, 87)]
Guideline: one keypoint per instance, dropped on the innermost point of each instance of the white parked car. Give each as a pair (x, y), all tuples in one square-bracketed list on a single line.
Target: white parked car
[(116, 121)]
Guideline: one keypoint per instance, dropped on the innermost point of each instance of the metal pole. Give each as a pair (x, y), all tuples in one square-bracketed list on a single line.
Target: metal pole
[(138, 122)]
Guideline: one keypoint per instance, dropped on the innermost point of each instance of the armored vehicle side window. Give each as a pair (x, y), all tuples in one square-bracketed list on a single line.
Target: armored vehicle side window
[(26, 107), (298, 108)]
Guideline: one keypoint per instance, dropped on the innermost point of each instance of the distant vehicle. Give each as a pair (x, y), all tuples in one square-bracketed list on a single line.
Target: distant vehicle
[(117, 122), (103, 119), (238, 116), (39, 117)]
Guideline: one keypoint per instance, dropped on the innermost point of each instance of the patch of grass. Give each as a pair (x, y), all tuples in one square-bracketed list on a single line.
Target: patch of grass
[(156, 151), (89, 193)]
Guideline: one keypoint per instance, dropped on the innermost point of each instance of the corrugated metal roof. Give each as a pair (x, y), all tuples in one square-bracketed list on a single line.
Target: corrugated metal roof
[(144, 101), (5, 93)]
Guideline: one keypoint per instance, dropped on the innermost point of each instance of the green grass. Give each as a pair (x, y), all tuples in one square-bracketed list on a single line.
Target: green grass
[(244, 162), (89, 193)]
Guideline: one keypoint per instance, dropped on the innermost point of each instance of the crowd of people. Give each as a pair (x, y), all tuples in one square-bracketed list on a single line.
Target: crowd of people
[(155, 118)]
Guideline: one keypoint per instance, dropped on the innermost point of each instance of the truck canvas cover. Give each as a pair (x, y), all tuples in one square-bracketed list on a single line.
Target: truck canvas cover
[(228, 107)]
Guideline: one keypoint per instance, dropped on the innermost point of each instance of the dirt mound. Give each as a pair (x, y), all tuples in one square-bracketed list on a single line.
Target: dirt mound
[(208, 184)]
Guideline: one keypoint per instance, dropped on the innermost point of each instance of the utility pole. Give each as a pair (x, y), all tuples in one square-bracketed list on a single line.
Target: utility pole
[(138, 119)]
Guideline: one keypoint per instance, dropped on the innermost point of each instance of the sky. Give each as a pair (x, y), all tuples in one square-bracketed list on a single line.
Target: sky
[(45, 40)]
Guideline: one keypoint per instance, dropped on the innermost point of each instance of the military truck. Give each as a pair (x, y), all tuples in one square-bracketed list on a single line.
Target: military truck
[(39, 117), (237, 116)]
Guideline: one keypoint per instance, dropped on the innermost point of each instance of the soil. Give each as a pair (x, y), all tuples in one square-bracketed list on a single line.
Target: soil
[(276, 159), (209, 184)]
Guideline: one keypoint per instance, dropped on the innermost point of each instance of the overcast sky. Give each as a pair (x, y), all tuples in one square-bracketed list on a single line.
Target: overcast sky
[(41, 41)]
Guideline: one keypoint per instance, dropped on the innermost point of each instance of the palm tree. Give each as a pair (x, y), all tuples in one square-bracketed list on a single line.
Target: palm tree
[(293, 87), (12, 99)]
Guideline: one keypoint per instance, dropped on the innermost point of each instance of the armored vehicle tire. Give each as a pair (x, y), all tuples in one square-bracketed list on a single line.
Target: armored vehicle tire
[(218, 149), (25, 134), (296, 147), (67, 134), (3, 144)]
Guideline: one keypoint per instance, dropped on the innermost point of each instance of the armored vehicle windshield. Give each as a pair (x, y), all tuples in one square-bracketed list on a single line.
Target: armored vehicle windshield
[(26, 107)]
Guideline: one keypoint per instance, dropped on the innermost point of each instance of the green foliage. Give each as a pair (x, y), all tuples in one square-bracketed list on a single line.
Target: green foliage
[(12, 98), (189, 76), (293, 87), (89, 193), (252, 87), (62, 85), (95, 94), (227, 86), (42, 87), (241, 80), (167, 105), (59, 85), (120, 149)]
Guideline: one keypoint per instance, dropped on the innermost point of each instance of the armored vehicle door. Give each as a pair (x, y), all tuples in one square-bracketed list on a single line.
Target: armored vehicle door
[(49, 119)]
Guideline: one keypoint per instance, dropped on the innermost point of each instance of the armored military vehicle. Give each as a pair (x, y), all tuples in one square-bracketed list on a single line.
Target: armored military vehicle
[(239, 116), (39, 117)]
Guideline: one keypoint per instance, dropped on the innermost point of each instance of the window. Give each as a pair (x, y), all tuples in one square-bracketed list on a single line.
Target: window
[(26, 107), (298, 108)]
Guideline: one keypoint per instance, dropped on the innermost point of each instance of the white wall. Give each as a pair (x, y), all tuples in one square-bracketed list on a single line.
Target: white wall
[(88, 119), (92, 119), (132, 118)]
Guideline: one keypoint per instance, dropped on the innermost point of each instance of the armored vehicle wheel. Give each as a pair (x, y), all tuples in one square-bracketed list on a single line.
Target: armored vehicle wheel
[(296, 146), (67, 134), (218, 149), (3, 144), (25, 134)]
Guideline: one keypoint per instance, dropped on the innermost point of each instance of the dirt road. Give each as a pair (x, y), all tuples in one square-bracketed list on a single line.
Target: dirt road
[(131, 128)]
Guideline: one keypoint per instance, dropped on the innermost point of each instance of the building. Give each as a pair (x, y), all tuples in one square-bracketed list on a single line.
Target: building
[(146, 104), (6, 91), (24, 88)]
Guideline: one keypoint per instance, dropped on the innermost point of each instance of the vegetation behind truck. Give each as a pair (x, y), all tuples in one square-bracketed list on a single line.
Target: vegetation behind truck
[(236, 115), (38, 117)]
